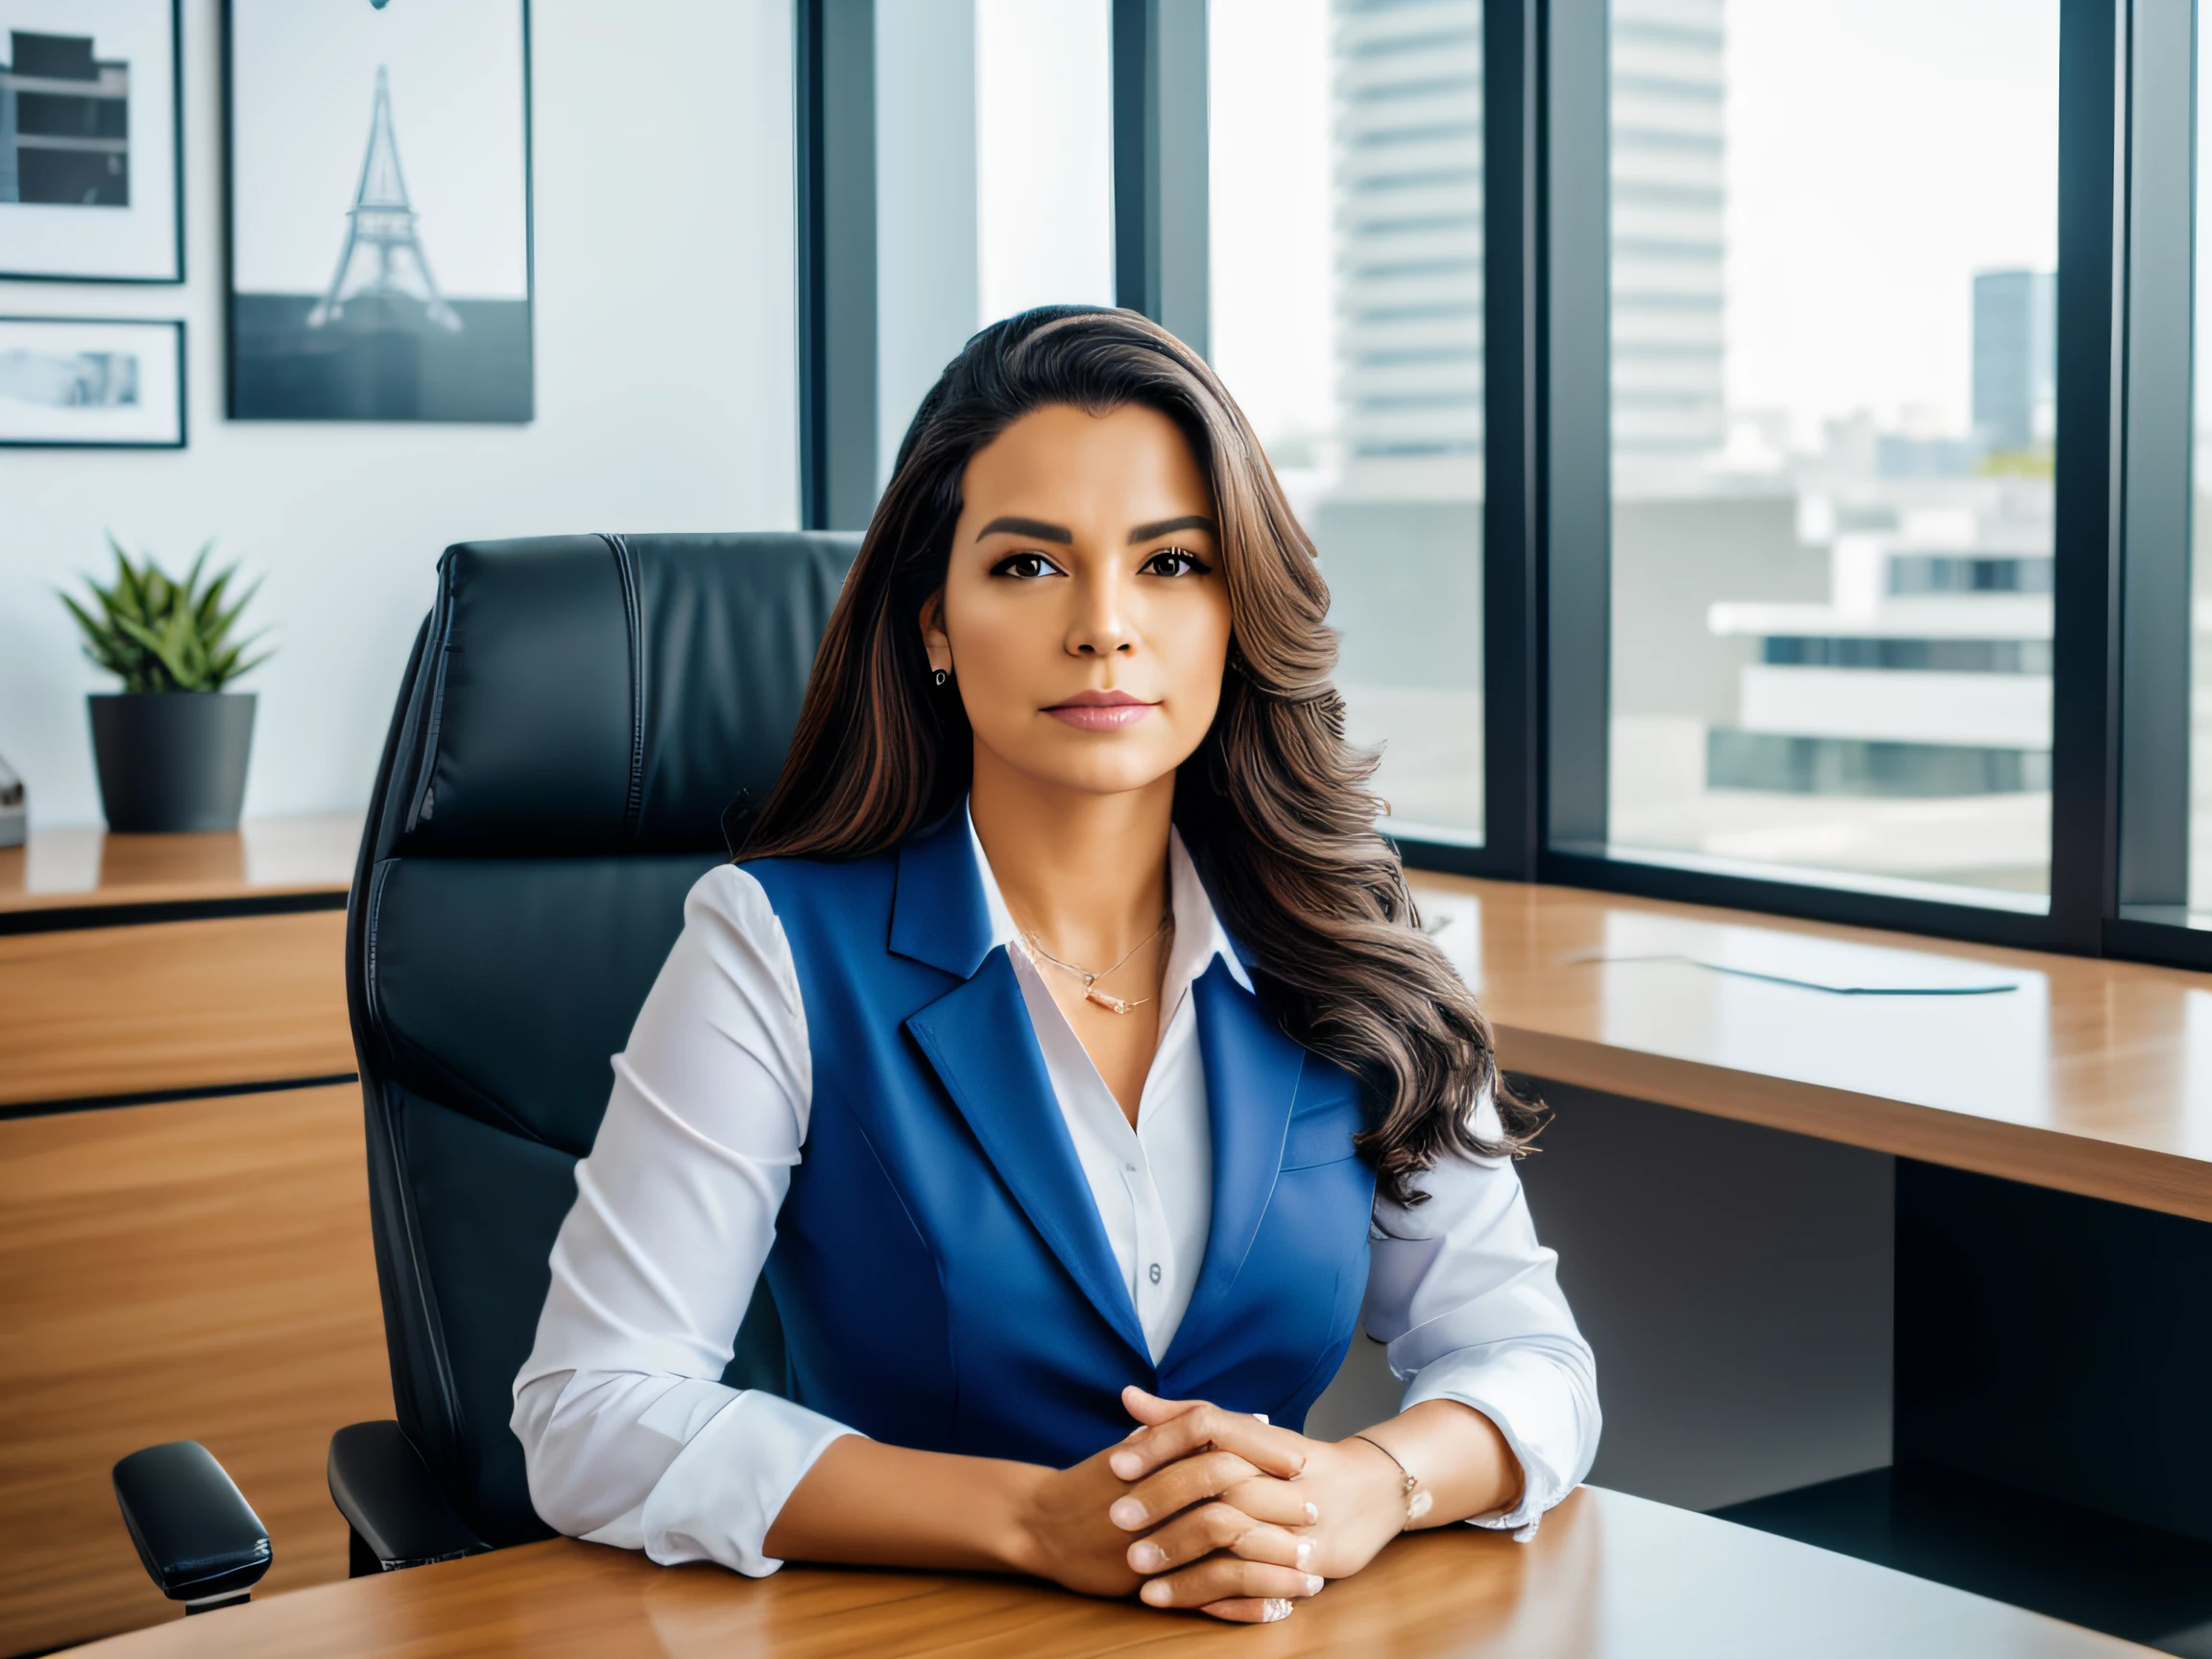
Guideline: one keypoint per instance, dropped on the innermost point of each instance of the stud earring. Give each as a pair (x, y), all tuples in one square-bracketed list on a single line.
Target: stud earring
[(938, 677)]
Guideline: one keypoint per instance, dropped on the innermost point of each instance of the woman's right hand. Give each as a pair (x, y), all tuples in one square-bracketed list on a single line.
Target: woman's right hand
[(1069, 1536)]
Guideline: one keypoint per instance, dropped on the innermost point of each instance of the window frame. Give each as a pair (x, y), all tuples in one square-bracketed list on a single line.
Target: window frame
[(2122, 489)]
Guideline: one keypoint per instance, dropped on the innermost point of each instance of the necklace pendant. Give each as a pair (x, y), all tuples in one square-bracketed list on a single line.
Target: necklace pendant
[(1113, 1004)]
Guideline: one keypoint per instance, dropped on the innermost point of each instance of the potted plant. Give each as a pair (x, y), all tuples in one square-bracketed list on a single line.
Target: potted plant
[(171, 746)]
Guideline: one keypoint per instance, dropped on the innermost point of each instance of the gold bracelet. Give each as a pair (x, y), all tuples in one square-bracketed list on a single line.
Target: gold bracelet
[(1418, 1498)]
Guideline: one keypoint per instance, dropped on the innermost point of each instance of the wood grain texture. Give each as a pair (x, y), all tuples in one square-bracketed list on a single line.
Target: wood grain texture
[(172, 1005), (264, 857), (197, 1270), (2086, 1075), (1607, 1577)]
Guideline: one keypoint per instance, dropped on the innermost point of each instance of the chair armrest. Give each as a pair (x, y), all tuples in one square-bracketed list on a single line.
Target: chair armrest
[(398, 1513), (199, 1538)]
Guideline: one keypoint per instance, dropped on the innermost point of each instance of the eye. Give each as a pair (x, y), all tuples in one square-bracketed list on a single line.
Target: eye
[(1025, 566), (1174, 562)]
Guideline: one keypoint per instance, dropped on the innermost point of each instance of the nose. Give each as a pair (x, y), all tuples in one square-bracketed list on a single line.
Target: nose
[(1101, 625)]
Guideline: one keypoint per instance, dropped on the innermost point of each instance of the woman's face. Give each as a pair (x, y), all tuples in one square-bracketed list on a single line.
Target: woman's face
[(1084, 617)]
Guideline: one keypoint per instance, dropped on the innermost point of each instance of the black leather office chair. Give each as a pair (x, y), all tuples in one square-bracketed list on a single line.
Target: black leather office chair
[(578, 717)]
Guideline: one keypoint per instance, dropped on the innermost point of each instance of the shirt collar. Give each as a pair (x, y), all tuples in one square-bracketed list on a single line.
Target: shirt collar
[(1199, 936)]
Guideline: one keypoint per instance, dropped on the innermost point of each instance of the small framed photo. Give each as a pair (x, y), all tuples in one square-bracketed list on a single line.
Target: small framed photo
[(91, 383), (379, 162), (91, 147)]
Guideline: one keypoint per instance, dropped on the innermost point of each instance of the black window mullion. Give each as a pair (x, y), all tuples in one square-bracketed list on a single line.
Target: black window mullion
[(2085, 655), (1512, 546), (1574, 431), (2154, 673), (836, 236), (1162, 228)]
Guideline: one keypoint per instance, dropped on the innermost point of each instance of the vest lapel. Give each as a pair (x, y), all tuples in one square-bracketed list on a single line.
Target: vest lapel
[(1252, 1075), (979, 1038)]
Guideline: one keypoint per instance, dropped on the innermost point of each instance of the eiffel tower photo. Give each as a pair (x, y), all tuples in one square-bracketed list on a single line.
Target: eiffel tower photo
[(382, 269)]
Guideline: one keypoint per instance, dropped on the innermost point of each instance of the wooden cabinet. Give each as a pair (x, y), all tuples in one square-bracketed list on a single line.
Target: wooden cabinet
[(192, 1267)]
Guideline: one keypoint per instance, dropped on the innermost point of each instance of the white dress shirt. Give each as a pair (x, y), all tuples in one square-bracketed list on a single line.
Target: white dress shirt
[(629, 1435)]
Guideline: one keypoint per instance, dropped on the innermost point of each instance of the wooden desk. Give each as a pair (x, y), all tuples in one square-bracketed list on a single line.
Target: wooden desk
[(190, 1267), (2087, 1076), (1608, 1575)]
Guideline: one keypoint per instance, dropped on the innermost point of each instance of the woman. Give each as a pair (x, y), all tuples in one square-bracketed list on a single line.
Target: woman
[(1065, 1050)]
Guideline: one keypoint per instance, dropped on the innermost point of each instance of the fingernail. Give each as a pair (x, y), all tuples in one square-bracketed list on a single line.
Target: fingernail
[(1298, 1467), (1146, 1557), (1157, 1593), (1306, 1549), (1314, 1583), (1262, 1415), (1125, 1464), (1312, 1514), (1127, 1514), (1278, 1607)]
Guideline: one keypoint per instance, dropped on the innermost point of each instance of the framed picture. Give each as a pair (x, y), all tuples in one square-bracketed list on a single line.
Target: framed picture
[(91, 146), (379, 161), (91, 383)]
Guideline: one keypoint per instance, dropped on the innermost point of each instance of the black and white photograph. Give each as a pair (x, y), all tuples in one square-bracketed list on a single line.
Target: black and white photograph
[(379, 211), (71, 383), (92, 179)]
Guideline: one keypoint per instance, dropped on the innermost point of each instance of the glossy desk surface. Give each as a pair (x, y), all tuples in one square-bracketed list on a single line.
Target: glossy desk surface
[(2086, 1075), (69, 868), (1607, 1577)]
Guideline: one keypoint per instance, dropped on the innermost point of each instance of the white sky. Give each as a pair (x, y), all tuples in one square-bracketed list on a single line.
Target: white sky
[(1879, 153), (1272, 321), (1044, 155), (304, 86)]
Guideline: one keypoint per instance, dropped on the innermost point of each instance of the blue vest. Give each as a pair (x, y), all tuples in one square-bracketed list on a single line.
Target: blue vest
[(943, 1277)]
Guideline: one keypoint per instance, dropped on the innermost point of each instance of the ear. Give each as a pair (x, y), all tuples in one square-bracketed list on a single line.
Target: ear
[(934, 639)]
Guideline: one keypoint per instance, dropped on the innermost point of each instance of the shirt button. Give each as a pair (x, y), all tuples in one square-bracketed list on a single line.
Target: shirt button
[(1155, 1272), (1130, 1168)]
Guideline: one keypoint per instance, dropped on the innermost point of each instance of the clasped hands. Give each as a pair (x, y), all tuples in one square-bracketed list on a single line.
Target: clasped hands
[(1214, 1510)]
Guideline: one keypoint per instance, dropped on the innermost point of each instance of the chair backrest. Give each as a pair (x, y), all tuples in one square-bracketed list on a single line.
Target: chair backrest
[(578, 713)]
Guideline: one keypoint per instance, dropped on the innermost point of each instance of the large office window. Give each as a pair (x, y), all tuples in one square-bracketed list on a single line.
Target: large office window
[(988, 198), (1833, 301), (1347, 320)]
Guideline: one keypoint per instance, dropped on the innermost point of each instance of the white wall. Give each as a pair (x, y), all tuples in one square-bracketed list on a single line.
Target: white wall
[(666, 390)]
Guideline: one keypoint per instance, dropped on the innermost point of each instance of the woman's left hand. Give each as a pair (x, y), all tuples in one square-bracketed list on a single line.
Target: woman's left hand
[(1350, 1492)]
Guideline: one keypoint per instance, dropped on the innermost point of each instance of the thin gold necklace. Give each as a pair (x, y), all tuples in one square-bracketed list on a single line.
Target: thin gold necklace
[(1090, 991)]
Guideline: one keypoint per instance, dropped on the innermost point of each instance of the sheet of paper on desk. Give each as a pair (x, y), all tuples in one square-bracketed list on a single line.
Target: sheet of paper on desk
[(1780, 1003), (1791, 959)]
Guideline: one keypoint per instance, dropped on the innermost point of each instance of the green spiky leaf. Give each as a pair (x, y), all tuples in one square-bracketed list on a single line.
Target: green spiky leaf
[(158, 632)]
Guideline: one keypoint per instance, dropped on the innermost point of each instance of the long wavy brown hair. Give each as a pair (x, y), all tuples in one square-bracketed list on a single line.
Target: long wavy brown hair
[(1274, 804)]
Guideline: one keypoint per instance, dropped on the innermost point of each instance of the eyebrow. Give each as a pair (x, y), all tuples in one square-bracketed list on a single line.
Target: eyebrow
[(1168, 527), (1036, 527)]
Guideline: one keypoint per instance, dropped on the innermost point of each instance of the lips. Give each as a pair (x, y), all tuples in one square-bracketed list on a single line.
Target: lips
[(1102, 711)]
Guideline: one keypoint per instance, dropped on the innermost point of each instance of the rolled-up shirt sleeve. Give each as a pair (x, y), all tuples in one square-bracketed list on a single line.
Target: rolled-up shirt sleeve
[(629, 1435), (1468, 1306)]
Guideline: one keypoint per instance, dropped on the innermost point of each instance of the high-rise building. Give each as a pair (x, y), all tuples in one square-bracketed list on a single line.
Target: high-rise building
[(1668, 149), (1409, 149), (64, 123), (2015, 351)]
